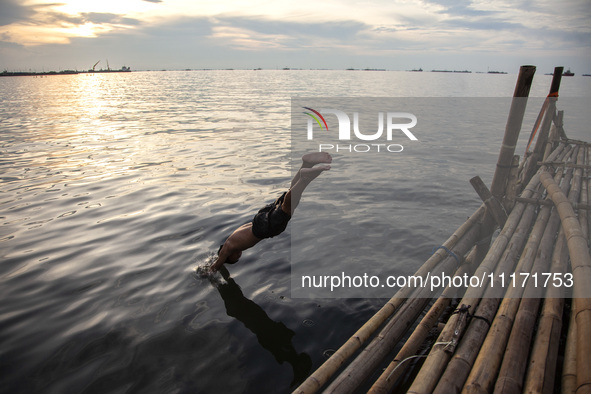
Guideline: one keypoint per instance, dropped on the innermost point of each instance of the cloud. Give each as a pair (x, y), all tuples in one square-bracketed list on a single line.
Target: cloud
[(43, 24), (461, 8), (11, 11), (252, 33), (378, 35), (108, 18)]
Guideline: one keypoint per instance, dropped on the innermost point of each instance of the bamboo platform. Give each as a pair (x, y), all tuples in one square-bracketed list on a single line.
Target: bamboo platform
[(527, 338)]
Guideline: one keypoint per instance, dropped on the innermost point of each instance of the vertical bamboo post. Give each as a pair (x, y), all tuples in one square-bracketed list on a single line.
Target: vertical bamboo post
[(505, 159), (512, 129), (548, 118), (556, 132), (560, 125), (512, 185), (550, 113)]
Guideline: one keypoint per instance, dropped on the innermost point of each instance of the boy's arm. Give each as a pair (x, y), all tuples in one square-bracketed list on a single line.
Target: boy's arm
[(222, 257), (240, 240)]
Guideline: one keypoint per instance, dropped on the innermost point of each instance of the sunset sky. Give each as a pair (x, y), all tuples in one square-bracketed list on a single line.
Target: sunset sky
[(477, 35)]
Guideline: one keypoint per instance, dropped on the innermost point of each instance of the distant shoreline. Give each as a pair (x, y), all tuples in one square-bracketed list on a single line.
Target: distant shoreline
[(64, 72), (124, 69)]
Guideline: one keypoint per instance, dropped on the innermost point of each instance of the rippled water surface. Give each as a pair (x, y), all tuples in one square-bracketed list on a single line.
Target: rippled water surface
[(115, 187)]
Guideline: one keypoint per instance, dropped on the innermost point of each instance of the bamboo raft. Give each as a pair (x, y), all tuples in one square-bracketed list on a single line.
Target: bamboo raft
[(526, 339)]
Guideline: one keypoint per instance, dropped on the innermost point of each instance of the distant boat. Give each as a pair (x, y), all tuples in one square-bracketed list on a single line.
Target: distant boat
[(568, 73), (586, 75), (497, 72), (417, 70), (454, 71)]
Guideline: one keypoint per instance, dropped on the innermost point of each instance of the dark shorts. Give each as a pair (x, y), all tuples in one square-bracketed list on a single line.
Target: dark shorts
[(270, 220)]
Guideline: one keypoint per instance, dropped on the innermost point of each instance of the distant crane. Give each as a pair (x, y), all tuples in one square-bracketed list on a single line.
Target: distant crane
[(95, 65)]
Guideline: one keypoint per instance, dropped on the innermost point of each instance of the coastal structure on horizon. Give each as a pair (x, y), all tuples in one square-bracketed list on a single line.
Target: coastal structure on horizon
[(6, 73)]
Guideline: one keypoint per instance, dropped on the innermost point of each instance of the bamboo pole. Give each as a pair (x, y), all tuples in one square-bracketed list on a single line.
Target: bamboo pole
[(505, 159), (581, 269), (461, 363), (588, 195), (576, 142), (396, 368), (483, 373), (512, 186), (318, 378), (560, 125), (573, 165), (550, 114), (512, 129), (552, 139), (366, 362), (439, 356), (550, 105), (543, 359), (358, 371), (584, 197), (569, 368), (580, 205), (512, 370), (492, 203)]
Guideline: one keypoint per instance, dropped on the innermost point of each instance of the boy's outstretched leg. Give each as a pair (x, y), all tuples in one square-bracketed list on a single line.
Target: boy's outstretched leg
[(293, 196), (309, 160)]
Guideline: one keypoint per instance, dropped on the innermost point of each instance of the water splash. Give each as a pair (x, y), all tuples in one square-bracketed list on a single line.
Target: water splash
[(203, 271)]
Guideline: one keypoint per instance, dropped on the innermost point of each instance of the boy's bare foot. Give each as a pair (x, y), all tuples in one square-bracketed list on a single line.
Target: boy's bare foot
[(311, 159), (309, 174)]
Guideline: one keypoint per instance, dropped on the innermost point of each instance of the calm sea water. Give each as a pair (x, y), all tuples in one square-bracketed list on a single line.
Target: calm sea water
[(116, 187)]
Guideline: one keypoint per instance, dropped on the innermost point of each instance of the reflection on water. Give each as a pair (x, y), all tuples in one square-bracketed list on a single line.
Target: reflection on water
[(273, 336), (114, 186)]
